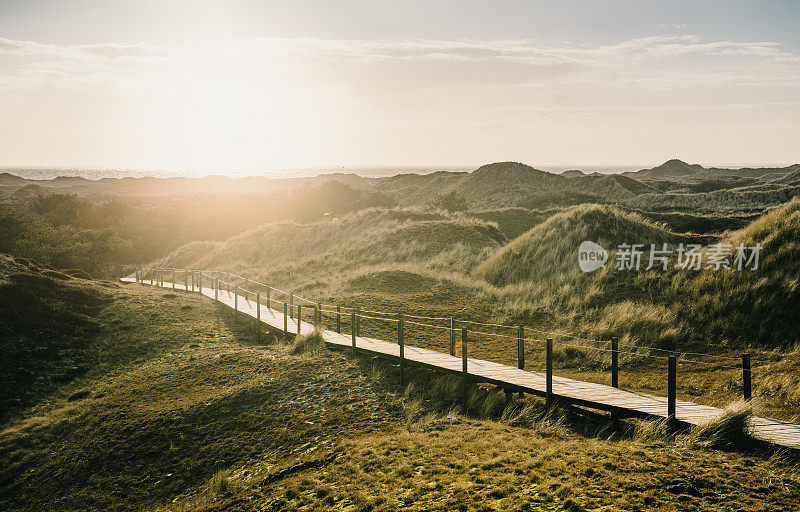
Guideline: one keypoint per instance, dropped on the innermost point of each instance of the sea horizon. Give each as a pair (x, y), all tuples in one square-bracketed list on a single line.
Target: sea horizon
[(48, 173)]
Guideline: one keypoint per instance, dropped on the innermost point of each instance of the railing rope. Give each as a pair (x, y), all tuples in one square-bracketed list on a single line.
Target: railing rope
[(156, 276)]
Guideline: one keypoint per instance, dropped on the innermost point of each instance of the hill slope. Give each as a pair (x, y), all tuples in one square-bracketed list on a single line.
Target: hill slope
[(44, 317), (751, 306), (336, 246), (186, 412), (548, 252)]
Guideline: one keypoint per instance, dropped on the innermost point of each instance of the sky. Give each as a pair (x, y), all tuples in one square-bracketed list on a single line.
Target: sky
[(262, 85)]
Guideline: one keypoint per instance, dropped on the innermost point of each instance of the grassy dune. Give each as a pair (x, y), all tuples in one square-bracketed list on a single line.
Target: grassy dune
[(532, 279), (454, 265), (180, 394), (187, 412)]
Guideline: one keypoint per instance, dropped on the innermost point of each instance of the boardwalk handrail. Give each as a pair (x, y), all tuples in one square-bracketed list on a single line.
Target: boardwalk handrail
[(472, 370), (359, 312), (295, 311)]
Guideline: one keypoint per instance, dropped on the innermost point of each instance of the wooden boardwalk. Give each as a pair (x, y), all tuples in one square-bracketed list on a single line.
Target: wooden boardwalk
[(597, 396)]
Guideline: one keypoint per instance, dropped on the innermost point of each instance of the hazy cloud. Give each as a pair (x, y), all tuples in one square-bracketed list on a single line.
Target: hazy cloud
[(289, 94)]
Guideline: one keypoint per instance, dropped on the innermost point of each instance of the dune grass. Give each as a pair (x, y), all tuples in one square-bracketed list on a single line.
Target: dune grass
[(187, 412), (448, 265), (181, 397)]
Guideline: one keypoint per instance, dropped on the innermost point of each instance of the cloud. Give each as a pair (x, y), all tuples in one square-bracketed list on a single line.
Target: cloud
[(410, 73), (471, 50), (671, 26)]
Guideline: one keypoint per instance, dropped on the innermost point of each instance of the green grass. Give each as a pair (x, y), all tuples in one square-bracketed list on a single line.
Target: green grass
[(443, 265), (179, 395), (182, 410)]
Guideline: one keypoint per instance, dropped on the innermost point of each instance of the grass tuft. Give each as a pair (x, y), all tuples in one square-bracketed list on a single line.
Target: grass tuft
[(308, 344), (729, 430)]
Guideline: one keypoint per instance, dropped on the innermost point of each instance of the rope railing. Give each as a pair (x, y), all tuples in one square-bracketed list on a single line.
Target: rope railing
[(456, 320), (226, 282)]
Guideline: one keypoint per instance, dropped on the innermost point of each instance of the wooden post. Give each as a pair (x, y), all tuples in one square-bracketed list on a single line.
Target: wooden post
[(152, 276), (216, 289), (464, 374), (291, 304), (193, 273), (339, 319), (236, 303), (200, 280), (258, 318), (299, 316), (353, 333), (747, 383), (358, 321), (672, 385), (615, 362), (318, 313), (549, 364), (285, 322), (520, 357), (452, 337), (401, 343), (173, 278), (186, 281)]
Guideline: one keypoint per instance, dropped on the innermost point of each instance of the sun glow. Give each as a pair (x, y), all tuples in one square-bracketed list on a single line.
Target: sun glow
[(227, 92)]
